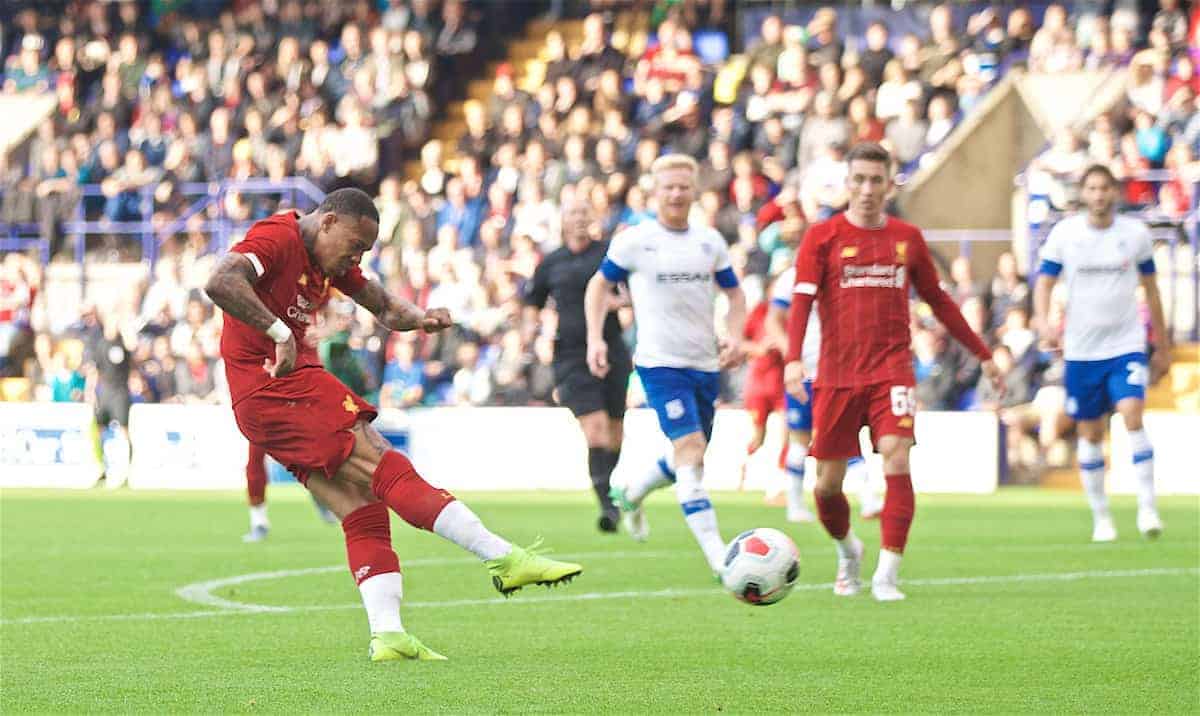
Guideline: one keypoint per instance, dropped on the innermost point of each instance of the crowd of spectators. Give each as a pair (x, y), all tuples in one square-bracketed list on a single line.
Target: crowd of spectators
[(344, 93)]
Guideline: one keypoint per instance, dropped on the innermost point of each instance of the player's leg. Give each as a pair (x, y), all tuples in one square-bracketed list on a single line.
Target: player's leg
[(684, 403), (256, 493), (640, 480), (1088, 404), (896, 518), (799, 424), (1127, 389), (393, 479), (601, 461), (584, 395), (373, 564), (838, 415), (616, 390)]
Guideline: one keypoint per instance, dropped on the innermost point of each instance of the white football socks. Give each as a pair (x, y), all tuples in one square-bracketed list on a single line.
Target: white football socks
[(460, 525), (381, 596), (699, 514), (258, 516), (1091, 474), (660, 474), (845, 545), (1143, 467), (888, 569), (797, 453)]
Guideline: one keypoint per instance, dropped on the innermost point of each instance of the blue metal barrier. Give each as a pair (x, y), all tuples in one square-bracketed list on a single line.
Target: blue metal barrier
[(297, 192)]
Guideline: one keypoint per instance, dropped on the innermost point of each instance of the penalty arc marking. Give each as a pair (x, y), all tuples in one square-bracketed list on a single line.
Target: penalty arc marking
[(246, 609)]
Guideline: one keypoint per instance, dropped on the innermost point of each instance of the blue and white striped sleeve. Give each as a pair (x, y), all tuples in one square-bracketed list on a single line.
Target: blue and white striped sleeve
[(619, 261), (722, 266), (1051, 254)]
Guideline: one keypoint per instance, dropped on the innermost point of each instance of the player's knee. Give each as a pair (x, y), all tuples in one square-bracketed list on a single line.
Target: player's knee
[(616, 434), (689, 449), (830, 474), (1091, 430), (1131, 414)]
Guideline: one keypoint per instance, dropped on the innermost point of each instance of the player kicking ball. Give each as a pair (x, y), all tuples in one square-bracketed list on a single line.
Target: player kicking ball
[(270, 286), (858, 267), (674, 271), (1103, 258)]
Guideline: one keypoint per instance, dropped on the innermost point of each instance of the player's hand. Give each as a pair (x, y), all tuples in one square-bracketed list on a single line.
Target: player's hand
[(1160, 363), (731, 353), (793, 381), (285, 359), (436, 319), (993, 375), (597, 358), (619, 299)]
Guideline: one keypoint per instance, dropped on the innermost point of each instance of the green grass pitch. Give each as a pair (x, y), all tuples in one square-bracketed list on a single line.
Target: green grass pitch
[(1010, 609)]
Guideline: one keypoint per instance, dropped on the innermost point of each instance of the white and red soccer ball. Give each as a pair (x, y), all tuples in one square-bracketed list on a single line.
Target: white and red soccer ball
[(761, 566)]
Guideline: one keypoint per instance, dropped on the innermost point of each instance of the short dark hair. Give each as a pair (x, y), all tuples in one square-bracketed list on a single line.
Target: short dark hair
[(350, 202), (1102, 171), (868, 152)]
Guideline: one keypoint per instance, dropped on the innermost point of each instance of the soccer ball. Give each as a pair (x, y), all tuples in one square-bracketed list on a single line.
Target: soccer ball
[(761, 566)]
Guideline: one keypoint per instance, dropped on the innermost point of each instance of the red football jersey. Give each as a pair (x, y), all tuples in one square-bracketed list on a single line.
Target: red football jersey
[(860, 279), (292, 287), (765, 375)]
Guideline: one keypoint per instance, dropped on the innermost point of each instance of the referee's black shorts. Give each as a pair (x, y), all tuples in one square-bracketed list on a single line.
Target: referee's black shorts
[(584, 393)]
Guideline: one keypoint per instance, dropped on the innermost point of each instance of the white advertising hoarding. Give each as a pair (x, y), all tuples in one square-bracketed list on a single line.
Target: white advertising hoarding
[(48, 445)]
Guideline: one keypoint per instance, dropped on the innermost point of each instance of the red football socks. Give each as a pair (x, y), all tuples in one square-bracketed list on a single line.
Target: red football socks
[(256, 476), (834, 512), (397, 483), (897, 515), (369, 542)]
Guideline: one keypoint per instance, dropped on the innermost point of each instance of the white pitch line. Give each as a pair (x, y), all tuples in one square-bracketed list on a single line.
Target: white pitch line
[(202, 592), (596, 596)]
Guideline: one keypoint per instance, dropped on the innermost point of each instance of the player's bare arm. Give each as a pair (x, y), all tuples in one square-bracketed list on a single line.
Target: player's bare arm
[(398, 314), (595, 308), (231, 287), (1042, 291), (1160, 359), (735, 322)]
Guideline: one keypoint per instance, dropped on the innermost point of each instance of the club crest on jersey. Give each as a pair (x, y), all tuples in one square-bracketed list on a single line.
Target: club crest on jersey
[(901, 252), (349, 405), (849, 252), (303, 279)]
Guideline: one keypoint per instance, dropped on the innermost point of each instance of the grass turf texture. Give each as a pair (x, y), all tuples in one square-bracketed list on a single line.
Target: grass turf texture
[(1096, 643)]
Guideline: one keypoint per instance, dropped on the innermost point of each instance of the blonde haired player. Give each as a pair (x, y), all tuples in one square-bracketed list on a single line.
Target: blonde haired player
[(674, 271)]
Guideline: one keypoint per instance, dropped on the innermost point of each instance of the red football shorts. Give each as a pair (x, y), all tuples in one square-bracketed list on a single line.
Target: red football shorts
[(761, 405), (303, 420), (840, 413)]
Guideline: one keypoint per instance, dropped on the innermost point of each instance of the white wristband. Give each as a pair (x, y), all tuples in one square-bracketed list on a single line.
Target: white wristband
[(279, 332)]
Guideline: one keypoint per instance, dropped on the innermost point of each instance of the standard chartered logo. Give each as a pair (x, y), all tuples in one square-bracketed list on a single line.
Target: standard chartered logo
[(874, 276)]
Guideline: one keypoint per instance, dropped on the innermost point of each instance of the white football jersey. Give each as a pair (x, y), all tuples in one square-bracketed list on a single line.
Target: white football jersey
[(673, 281), (1100, 269), (781, 295)]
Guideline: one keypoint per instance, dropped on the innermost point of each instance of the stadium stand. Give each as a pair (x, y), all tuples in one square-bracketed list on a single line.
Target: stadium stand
[(169, 132)]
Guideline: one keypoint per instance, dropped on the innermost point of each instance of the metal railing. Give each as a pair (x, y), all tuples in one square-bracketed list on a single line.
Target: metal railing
[(298, 192)]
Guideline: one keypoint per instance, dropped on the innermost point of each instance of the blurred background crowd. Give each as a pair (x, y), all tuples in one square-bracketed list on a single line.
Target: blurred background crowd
[(153, 96)]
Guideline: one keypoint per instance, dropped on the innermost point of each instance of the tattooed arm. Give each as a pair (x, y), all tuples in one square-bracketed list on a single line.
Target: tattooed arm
[(231, 287), (398, 314)]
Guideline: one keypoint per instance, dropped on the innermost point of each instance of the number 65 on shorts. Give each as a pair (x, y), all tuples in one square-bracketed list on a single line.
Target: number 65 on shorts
[(840, 413)]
